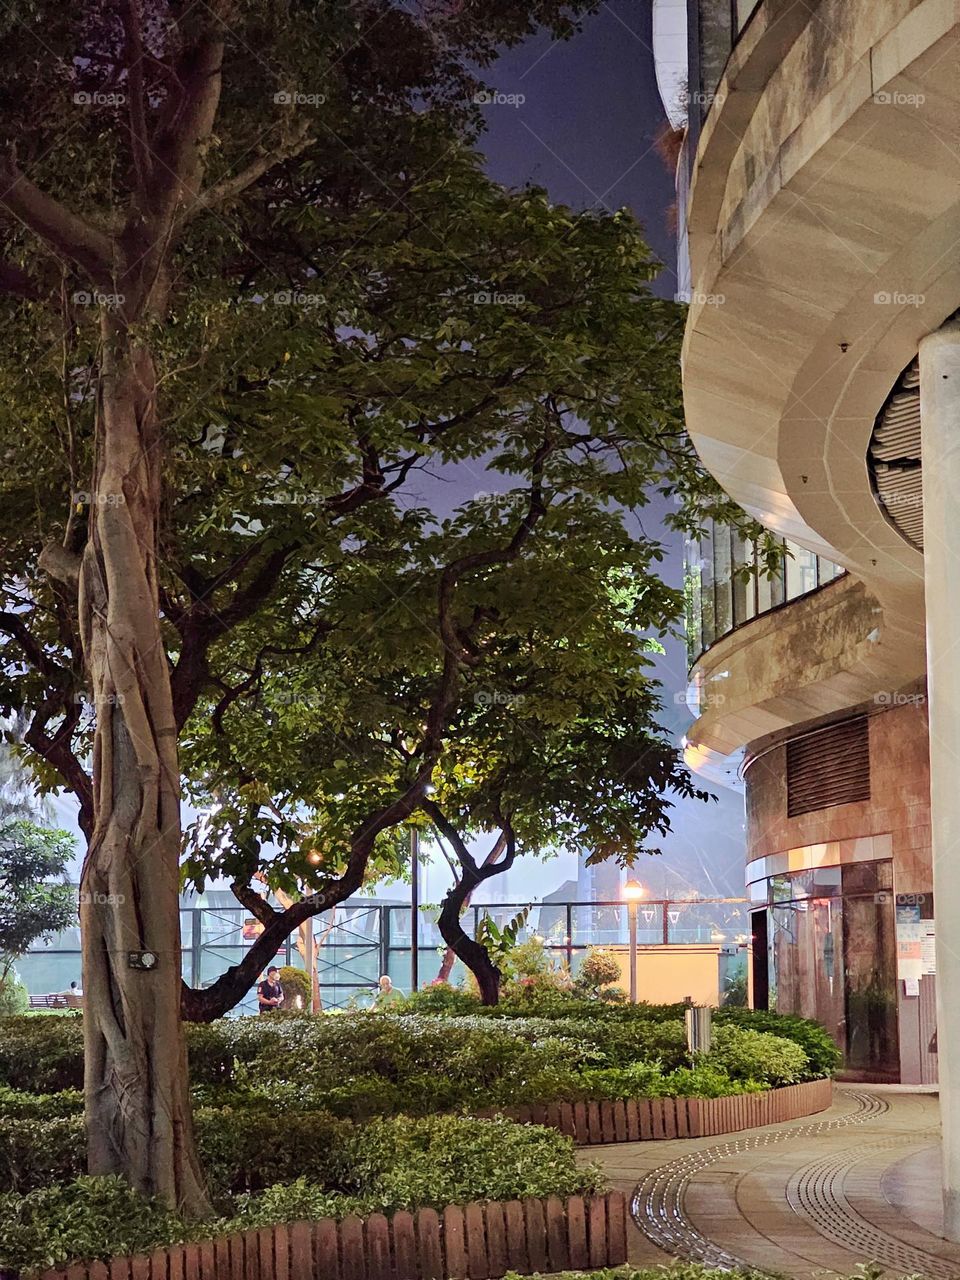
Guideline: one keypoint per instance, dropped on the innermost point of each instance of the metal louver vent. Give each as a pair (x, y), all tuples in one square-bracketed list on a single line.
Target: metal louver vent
[(829, 767), (895, 457)]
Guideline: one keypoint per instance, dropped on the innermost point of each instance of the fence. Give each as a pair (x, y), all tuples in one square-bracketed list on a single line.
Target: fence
[(362, 938), (652, 1119), (479, 1242)]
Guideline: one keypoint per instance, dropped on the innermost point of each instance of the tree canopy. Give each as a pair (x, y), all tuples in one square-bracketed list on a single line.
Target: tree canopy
[(258, 288)]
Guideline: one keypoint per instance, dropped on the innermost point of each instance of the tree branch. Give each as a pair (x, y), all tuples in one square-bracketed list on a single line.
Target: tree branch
[(65, 232), (139, 138), (219, 193)]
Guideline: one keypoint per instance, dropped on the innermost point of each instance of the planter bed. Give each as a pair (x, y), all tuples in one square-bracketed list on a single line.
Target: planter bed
[(479, 1240), (651, 1119)]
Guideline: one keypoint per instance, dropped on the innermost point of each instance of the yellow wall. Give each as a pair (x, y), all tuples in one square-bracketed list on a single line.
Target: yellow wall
[(668, 974)]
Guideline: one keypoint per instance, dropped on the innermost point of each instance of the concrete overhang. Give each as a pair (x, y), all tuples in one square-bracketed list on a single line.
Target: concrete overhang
[(824, 224)]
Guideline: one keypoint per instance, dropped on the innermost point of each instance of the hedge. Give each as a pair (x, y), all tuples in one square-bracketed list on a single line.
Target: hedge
[(429, 1160), (368, 1064), (323, 1167)]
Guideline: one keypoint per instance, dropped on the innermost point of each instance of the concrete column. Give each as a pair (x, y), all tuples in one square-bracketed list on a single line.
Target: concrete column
[(940, 417)]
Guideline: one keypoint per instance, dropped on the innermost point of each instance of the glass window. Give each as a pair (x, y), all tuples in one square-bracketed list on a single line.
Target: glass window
[(832, 957), (801, 569), (744, 586), (769, 591), (723, 568), (692, 590), (827, 570), (707, 613)]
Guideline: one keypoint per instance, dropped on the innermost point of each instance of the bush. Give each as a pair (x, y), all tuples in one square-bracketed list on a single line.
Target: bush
[(40, 1106), (296, 984), (823, 1056), (249, 1148), (405, 1162), (757, 1055), (35, 1153), (42, 1055), (440, 997), (88, 1218), (13, 996), (389, 1164), (600, 968)]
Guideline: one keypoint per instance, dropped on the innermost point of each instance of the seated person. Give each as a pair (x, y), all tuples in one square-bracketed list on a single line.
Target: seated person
[(270, 992)]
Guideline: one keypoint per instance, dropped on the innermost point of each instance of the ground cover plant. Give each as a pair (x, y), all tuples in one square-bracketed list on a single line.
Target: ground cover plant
[(380, 1104), (257, 1177)]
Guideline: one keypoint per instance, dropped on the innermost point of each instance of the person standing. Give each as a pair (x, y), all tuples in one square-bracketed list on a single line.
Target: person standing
[(270, 992)]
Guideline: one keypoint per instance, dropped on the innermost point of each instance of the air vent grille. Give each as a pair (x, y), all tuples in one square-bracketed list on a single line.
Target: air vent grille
[(829, 767)]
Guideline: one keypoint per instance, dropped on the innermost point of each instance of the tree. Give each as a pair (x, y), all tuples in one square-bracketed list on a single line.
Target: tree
[(573, 756), (148, 160), (31, 907), (247, 325)]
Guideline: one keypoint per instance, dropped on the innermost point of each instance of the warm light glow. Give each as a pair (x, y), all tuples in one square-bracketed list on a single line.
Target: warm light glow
[(633, 891), (314, 857)]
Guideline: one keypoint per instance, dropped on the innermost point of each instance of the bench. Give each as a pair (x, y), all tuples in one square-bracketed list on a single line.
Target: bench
[(56, 1001)]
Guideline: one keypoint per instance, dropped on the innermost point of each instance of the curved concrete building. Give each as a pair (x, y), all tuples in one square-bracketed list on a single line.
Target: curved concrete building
[(820, 198)]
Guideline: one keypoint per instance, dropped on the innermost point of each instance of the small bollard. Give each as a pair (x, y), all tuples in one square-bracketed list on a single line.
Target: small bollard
[(699, 1022)]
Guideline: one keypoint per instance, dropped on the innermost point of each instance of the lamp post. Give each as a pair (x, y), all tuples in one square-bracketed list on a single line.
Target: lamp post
[(633, 891)]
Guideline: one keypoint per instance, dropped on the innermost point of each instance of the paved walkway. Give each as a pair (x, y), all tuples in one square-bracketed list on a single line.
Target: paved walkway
[(858, 1183)]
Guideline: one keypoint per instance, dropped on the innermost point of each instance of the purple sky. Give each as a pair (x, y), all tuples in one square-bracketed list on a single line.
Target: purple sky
[(585, 131), (586, 128)]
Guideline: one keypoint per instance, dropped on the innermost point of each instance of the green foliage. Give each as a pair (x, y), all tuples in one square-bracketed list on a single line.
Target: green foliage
[(296, 984), (30, 906), (246, 1148), (324, 1167), (823, 1056), (87, 1218), (500, 941), (459, 324), (35, 1153), (15, 1103), (745, 1054), (367, 1064), (440, 997), (14, 998), (599, 969), (42, 1055)]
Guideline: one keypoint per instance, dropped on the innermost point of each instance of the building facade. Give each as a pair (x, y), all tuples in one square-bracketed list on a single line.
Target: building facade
[(819, 211)]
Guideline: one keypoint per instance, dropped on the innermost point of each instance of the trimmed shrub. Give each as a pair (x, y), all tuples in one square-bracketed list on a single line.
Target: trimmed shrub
[(35, 1153), (437, 998), (42, 1054), (89, 1218), (389, 1164), (757, 1056), (39, 1106), (296, 985)]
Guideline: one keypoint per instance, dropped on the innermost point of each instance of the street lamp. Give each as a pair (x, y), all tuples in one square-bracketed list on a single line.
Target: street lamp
[(632, 892)]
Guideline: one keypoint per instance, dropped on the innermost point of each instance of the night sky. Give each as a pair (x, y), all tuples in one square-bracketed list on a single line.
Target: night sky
[(587, 127), (585, 131)]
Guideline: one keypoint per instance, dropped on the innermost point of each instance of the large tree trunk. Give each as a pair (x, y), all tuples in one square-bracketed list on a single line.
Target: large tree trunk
[(137, 1100)]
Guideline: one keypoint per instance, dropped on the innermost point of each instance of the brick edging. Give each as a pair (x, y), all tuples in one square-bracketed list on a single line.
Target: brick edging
[(475, 1240), (652, 1119)]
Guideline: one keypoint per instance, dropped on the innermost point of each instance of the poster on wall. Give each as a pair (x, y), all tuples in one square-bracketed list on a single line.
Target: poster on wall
[(916, 952)]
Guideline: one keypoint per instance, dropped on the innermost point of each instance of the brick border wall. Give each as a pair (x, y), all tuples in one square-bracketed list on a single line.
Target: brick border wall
[(475, 1242), (643, 1119)]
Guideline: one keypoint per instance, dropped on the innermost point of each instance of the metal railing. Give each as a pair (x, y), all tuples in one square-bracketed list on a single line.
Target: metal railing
[(362, 939)]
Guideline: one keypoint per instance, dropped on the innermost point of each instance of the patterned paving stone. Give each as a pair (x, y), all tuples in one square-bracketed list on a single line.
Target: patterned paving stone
[(806, 1199)]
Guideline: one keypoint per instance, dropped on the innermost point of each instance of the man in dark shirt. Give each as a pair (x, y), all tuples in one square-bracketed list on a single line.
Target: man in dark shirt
[(270, 992)]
